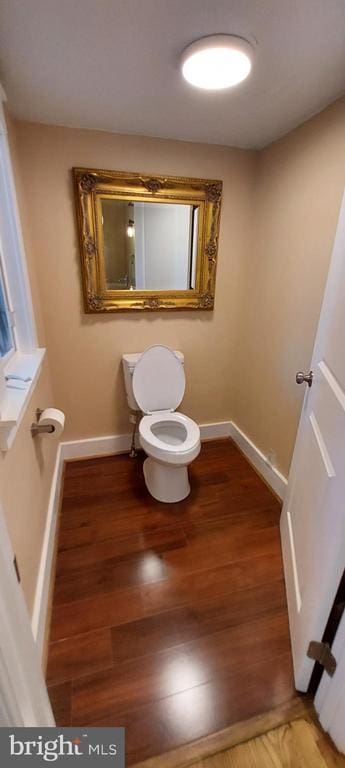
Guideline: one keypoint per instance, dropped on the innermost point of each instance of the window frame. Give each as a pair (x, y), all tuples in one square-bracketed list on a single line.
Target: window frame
[(13, 255), (4, 360), (23, 363)]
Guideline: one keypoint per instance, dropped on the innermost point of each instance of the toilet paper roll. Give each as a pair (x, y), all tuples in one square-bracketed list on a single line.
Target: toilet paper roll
[(55, 418)]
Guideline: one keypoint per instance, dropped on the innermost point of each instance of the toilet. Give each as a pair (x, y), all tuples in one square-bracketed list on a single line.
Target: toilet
[(155, 384)]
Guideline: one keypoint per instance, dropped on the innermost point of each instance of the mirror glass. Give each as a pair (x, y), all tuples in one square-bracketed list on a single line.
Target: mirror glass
[(149, 245)]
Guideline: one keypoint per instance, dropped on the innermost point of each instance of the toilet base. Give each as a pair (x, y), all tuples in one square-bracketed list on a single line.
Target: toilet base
[(166, 482)]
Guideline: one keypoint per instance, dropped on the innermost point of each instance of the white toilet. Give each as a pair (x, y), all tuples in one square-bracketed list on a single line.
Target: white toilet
[(155, 384)]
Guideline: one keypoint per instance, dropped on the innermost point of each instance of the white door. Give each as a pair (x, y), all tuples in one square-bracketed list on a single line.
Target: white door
[(313, 517), (23, 694), (330, 697)]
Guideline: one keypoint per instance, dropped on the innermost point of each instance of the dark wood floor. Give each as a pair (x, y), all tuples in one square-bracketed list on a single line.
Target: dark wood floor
[(168, 619)]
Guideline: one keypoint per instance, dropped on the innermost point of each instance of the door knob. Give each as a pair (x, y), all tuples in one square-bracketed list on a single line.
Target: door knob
[(304, 377)]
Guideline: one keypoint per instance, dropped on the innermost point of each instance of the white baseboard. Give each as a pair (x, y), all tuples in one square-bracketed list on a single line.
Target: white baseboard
[(271, 474), (101, 446), (39, 615), (215, 430), (95, 446)]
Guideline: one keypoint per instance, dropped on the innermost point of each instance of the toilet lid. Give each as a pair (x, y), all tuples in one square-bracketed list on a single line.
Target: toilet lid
[(158, 380)]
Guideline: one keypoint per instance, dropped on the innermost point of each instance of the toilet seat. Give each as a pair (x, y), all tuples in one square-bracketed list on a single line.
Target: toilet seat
[(182, 449), (158, 380), (158, 386)]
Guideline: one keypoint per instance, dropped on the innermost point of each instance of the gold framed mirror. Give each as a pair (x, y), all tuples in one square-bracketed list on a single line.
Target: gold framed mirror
[(147, 242)]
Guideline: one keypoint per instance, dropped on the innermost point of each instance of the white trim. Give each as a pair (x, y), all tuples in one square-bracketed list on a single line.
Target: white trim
[(15, 401), (24, 699), (40, 611), (13, 250), (271, 474), (101, 446), (95, 446), (215, 430)]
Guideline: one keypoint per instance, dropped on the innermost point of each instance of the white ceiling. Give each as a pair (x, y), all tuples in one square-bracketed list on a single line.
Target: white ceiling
[(114, 65)]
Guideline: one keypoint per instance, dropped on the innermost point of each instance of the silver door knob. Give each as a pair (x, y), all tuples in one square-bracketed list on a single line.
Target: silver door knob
[(304, 377)]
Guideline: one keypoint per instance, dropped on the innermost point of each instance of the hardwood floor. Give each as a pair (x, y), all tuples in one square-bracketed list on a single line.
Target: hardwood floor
[(299, 743), (168, 619)]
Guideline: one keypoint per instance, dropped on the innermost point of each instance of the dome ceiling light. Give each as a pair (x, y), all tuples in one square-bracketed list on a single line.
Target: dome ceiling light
[(217, 62)]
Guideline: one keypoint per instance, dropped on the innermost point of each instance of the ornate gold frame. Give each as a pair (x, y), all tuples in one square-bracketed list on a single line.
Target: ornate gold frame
[(91, 184)]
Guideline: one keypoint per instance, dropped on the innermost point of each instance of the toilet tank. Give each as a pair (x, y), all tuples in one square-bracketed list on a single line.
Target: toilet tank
[(129, 362)]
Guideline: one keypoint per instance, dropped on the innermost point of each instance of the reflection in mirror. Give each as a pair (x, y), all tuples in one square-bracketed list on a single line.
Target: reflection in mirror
[(147, 243), (149, 246)]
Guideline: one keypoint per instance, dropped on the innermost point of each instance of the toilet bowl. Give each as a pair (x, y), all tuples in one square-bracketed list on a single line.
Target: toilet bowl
[(170, 439)]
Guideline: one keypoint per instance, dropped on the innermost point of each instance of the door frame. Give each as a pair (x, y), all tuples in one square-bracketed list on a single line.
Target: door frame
[(24, 697)]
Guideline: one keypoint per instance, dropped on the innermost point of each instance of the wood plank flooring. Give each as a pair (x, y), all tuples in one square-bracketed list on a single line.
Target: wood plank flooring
[(168, 619), (297, 744)]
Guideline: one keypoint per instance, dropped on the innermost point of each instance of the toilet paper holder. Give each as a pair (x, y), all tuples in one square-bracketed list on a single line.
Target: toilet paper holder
[(39, 429)]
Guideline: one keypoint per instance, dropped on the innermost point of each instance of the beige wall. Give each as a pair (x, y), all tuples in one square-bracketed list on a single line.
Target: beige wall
[(299, 187), (26, 469), (87, 349)]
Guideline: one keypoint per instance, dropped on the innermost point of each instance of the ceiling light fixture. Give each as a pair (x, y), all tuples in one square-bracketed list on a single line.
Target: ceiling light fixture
[(217, 62), (131, 225), (130, 228)]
